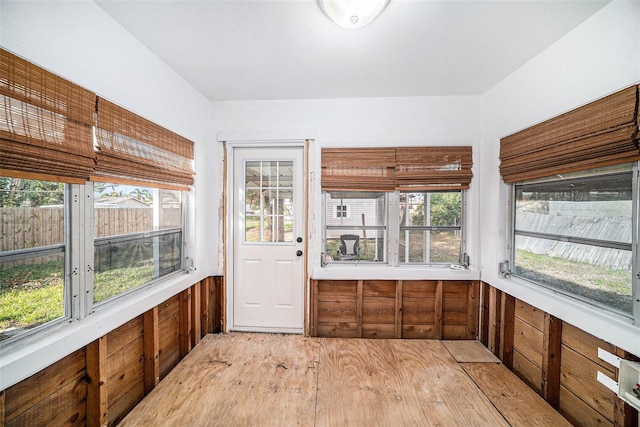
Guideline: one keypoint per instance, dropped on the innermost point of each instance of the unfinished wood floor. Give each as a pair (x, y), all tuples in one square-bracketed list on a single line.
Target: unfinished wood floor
[(244, 379)]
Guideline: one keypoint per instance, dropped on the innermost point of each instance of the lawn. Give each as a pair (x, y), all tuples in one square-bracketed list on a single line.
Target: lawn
[(606, 286), (32, 294)]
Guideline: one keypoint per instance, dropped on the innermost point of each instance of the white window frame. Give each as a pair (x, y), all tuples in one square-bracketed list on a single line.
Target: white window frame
[(339, 212), (392, 233), (78, 249), (508, 268)]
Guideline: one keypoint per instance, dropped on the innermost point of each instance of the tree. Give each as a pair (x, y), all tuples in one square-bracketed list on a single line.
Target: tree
[(143, 195), (445, 209), (18, 192)]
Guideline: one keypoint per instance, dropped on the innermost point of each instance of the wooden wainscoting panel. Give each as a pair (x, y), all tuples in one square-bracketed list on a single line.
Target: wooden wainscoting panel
[(529, 314), (337, 308), (578, 412), (58, 391), (96, 363), (578, 376), (585, 344), (169, 327), (125, 369), (455, 298), (419, 309), (527, 371), (528, 341), (151, 350), (379, 309), (65, 406)]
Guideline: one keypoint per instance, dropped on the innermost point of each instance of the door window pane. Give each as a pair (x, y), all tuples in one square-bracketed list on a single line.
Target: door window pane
[(268, 201)]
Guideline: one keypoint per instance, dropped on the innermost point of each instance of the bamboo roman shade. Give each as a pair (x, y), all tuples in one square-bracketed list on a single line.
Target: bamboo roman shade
[(45, 123), (369, 169), (131, 148), (402, 168), (602, 133), (433, 168)]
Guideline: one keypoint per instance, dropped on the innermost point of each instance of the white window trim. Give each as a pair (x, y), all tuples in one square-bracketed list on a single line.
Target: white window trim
[(634, 318), (393, 236), (79, 269)]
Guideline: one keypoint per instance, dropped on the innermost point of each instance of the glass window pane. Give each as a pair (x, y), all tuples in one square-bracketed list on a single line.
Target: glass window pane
[(252, 175), (442, 209), (252, 228), (31, 293), (370, 245), (569, 267), (598, 209), (269, 206), (364, 208), (132, 261), (286, 174), (31, 282), (137, 237), (584, 208), (424, 246), (269, 174)]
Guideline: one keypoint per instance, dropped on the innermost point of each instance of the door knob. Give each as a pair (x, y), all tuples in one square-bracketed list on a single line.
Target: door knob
[(299, 240), (299, 252)]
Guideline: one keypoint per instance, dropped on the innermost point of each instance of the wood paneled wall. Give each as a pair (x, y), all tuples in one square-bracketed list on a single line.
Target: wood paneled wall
[(555, 358), (100, 383), (433, 309)]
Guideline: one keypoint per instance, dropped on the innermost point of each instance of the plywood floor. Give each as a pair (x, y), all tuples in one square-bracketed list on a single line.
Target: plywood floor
[(244, 379)]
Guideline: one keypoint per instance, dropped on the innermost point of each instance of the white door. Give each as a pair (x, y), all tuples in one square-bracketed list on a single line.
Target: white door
[(268, 228)]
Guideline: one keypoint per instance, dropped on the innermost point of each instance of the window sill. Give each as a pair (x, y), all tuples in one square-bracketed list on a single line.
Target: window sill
[(383, 272)]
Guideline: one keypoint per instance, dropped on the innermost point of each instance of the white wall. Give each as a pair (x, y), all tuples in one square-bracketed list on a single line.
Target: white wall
[(80, 42), (359, 122), (599, 57)]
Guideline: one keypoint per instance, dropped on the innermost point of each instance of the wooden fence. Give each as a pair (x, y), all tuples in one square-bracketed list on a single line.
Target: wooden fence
[(23, 228)]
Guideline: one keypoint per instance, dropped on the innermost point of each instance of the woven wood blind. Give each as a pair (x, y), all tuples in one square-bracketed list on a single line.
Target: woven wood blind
[(369, 169), (602, 133), (131, 148), (433, 168), (45, 123)]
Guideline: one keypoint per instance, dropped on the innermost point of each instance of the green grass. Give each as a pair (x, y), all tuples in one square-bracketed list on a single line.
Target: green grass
[(606, 286), (31, 294), (117, 281)]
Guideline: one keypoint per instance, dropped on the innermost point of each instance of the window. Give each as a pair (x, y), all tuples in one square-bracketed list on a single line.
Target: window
[(342, 211), (137, 237), (63, 148), (32, 256), (398, 206), (574, 203), (368, 221), (269, 201), (430, 227), (575, 233)]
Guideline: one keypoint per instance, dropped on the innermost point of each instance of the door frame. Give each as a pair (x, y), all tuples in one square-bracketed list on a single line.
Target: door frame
[(229, 148)]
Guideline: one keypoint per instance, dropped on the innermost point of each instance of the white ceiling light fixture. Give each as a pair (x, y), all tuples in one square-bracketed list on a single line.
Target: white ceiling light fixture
[(352, 14)]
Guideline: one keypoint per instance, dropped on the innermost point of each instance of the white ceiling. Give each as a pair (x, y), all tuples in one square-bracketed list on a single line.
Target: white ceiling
[(288, 49)]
